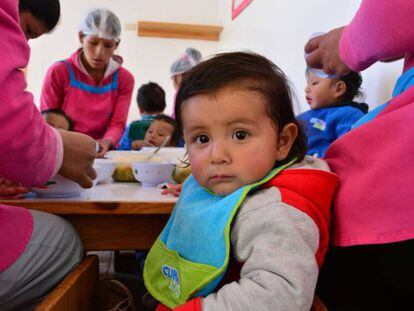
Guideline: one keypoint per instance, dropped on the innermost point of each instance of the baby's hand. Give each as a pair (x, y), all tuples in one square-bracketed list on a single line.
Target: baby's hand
[(10, 190), (137, 144), (173, 189)]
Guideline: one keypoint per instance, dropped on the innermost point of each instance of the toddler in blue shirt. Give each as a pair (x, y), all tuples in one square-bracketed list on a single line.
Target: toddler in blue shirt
[(151, 102), (332, 109)]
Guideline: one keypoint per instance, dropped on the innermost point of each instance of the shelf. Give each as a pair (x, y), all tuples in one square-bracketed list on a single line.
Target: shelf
[(181, 31)]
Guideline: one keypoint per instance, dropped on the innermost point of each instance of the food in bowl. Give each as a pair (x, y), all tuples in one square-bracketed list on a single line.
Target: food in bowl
[(123, 171), (181, 172), (152, 173)]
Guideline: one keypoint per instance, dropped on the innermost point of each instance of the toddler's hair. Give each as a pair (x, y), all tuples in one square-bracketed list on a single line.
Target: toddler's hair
[(151, 98), (175, 136), (61, 113), (47, 11), (254, 73), (353, 81)]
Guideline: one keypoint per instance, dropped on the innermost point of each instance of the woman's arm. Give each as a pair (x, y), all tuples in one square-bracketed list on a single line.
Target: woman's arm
[(30, 150), (116, 126), (381, 29)]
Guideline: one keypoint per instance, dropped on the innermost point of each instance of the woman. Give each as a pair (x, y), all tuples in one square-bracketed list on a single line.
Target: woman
[(91, 87), (370, 266), (180, 67), (36, 249)]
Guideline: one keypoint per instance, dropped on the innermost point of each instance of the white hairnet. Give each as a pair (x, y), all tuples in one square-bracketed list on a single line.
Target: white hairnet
[(102, 23), (191, 58)]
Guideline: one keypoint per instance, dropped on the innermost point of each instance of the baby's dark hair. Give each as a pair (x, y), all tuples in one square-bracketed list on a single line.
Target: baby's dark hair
[(47, 11), (61, 113), (175, 136), (353, 82), (251, 72), (151, 98)]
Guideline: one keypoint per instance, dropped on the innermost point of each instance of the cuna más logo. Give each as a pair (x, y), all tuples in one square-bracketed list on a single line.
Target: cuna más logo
[(174, 277)]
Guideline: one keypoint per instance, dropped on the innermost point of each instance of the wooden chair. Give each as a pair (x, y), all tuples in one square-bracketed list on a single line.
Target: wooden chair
[(74, 293)]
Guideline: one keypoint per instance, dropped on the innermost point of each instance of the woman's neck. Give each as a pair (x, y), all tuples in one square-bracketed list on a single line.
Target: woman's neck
[(96, 74)]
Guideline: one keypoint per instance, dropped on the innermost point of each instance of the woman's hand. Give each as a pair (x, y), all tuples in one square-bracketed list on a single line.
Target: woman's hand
[(174, 189), (10, 189), (79, 152), (104, 146), (323, 53)]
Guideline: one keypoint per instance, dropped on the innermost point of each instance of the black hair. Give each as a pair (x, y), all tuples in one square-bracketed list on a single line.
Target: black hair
[(254, 72), (151, 98), (175, 136), (61, 113), (353, 81), (47, 11)]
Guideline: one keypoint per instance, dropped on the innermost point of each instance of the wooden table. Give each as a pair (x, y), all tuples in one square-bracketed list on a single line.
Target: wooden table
[(110, 216)]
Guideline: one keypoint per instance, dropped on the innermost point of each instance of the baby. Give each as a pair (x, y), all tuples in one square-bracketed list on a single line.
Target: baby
[(333, 110), (162, 128), (251, 226)]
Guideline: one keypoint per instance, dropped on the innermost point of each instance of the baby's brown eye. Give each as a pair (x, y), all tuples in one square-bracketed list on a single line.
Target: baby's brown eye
[(202, 139), (240, 135)]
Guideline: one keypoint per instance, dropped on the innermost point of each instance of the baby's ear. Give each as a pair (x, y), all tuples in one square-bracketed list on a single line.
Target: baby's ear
[(340, 89), (286, 139)]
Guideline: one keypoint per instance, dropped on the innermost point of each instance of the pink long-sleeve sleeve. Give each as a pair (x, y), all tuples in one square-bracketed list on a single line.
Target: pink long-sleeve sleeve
[(30, 150), (54, 84), (116, 126), (381, 29)]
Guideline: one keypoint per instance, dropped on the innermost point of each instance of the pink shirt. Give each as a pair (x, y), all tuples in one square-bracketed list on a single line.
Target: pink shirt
[(30, 150), (375, 162), (99, 115)]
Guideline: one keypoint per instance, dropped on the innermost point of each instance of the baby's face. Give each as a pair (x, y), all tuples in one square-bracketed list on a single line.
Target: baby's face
[(56, 120), (157, 133), (230, 138), (320, 92)]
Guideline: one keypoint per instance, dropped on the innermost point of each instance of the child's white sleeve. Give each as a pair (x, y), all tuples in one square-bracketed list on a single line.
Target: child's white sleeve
[(276, 243)]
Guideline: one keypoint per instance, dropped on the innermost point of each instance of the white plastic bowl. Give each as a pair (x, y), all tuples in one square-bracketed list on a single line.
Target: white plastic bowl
[(61, 187), (107, 169), (150, 174)]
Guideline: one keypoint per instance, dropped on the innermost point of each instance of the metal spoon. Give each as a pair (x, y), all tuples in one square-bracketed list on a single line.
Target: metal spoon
[(158, 148)]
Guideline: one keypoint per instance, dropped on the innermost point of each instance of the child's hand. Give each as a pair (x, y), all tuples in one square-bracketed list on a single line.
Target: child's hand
[(324, 53), (137, 144), (9, 189), (174, 189)]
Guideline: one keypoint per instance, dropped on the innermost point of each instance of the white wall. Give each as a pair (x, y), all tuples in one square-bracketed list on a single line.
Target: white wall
[(149, 59), (276, 29), (279, 30)]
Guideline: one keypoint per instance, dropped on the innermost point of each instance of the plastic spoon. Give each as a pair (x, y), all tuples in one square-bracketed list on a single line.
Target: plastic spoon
[(158, 148)]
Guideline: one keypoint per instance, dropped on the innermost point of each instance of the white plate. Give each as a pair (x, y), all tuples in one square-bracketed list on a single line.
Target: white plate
[(61, 187)]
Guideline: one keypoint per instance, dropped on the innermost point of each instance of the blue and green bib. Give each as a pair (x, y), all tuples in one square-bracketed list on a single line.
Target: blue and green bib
[(191, 255)]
